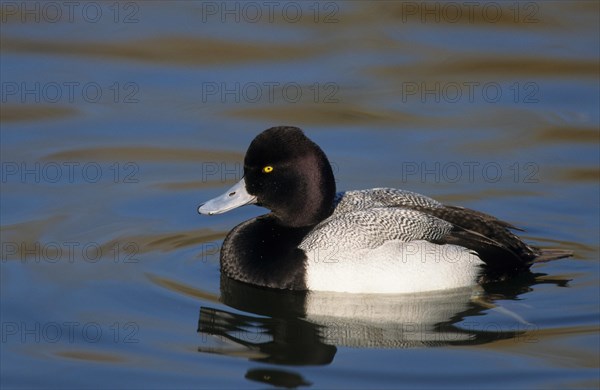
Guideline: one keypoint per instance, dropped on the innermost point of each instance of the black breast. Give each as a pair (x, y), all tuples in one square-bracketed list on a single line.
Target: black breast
[(264, 253)]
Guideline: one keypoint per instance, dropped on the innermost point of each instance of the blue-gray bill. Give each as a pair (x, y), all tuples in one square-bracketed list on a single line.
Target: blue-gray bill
[(235, 197)]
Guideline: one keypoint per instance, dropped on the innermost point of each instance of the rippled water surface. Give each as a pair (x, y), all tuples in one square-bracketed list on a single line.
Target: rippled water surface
[(118, 119)]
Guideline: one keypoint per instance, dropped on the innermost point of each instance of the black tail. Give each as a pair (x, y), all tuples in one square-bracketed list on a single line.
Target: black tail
[(503, 253), (551, 254)]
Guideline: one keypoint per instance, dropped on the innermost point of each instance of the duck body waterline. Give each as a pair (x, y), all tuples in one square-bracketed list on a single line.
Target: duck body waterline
[(379, 240)]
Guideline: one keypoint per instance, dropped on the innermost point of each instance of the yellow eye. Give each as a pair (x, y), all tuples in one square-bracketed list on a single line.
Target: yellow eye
[(267, 169)]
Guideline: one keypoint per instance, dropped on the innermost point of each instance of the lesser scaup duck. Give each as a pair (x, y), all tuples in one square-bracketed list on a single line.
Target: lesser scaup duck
[(380, 240)]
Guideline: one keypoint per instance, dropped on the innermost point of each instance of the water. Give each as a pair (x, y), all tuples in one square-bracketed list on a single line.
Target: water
[(118, 119)]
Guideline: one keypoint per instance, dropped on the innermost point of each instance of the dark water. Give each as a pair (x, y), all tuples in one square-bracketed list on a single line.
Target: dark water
[(118, 119)]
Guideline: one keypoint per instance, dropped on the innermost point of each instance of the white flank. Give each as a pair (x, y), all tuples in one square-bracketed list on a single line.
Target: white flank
[(394, 267)]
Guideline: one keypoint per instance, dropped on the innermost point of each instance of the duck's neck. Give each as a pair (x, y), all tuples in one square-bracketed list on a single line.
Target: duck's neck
[(308, 214)]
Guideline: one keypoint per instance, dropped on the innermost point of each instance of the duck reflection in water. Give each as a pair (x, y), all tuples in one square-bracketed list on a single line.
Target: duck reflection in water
[(305, 328)]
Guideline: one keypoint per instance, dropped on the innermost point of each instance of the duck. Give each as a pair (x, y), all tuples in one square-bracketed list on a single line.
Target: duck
[(379, 240)]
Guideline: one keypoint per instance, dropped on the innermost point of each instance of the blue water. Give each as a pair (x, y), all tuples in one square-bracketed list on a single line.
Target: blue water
[(116, 125)]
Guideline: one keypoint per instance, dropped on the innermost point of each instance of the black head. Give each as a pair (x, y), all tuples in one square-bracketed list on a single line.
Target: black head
[(290, 175)]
